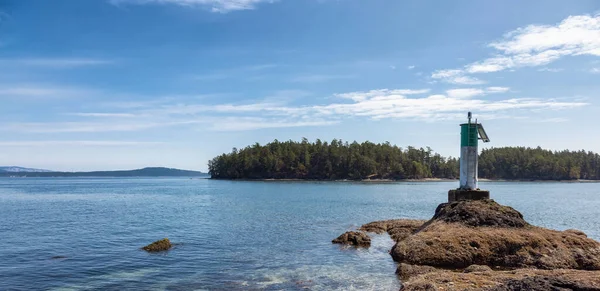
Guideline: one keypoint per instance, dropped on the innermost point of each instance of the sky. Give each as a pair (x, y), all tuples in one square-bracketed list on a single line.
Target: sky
[(124, 84)]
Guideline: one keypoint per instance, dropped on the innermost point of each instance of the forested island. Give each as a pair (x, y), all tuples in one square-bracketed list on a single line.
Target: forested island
[(145, 172), (339, 160)]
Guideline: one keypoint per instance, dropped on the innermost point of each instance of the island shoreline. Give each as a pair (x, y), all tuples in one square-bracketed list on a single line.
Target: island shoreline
[(383, 181)]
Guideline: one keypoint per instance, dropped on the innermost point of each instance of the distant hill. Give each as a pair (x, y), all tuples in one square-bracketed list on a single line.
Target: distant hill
[(13, 169), (145, 172)]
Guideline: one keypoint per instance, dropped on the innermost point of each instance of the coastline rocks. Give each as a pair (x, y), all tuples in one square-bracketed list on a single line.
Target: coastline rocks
[(479, 213), (468, 233), (355, 238), (398, 229), (482, 245), (158, 246), (542, 283), (406, 271), (520, 279)]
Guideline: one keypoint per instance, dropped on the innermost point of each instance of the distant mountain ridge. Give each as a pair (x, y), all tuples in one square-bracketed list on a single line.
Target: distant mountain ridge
[(15, 169), (145, 172)]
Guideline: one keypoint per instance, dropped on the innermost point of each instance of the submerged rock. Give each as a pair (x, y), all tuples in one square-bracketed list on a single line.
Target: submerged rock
[(58, 257), (158, 246), (398, 229), (355, 238)]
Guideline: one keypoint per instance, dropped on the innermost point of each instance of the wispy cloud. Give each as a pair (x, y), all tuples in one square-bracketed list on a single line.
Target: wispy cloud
[(86, 126), (3, 16), (497, 89), (472, 92), (278, 112), (595, 70), (40, 91), (535, 45), (96, 114), (456, 77), (242, 124), (383, 104), (59, 63), (551, 70), (411, 67), (63, 143), (362, 96), (221, 6), (320, 78), (464, 93), (551, 120)]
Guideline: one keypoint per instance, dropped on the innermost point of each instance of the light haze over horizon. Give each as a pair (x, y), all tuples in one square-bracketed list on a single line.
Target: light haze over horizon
[(123, 84)]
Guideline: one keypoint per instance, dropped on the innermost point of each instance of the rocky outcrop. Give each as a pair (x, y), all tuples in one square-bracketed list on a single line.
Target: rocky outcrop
[(158, 246), (543, 283), (468, 233), (355, 238), (492, 280), (406, 271), (479, 213), (482, 245)]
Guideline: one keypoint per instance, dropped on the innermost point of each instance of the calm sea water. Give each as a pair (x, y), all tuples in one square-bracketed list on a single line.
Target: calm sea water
[(85, 234)]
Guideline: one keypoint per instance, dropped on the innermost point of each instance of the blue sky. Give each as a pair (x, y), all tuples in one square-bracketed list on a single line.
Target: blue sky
[(119, 84)]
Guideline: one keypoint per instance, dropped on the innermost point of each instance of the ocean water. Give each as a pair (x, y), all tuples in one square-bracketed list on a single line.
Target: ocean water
[(86, 234)]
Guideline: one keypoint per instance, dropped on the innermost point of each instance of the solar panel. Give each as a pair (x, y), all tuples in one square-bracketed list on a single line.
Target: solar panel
[(482, 135)]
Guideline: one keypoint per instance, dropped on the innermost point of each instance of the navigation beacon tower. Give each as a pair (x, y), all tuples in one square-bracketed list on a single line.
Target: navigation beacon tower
[(470, 134)]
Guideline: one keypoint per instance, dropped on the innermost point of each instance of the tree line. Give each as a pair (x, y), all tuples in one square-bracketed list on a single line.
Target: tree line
[(355, 161), (520, 163)]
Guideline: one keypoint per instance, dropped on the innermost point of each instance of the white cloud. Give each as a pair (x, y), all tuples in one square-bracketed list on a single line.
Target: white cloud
[(595, 70), (392, 67), (221, 6), (472, 92), (535, 45), (497, 89), (411, 67), (382, 104)]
